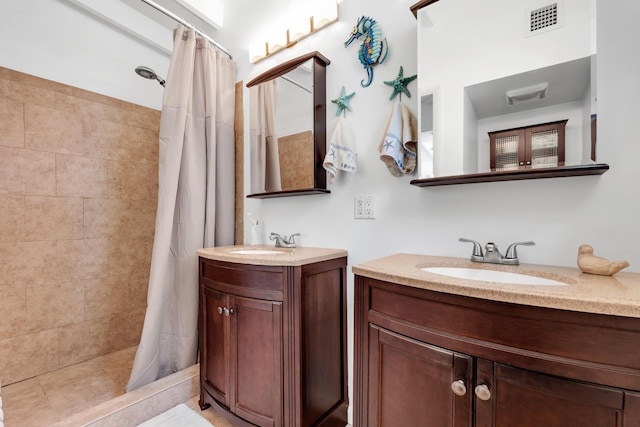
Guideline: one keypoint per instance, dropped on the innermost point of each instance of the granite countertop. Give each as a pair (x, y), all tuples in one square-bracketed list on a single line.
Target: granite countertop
[(613, 295), (283, 257)]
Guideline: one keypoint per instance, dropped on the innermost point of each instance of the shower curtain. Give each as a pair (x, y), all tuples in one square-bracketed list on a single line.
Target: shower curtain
[(195, 201), (263, 139)]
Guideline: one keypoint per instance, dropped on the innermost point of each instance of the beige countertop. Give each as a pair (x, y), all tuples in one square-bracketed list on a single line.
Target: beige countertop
[(614, 295), (284, 256)]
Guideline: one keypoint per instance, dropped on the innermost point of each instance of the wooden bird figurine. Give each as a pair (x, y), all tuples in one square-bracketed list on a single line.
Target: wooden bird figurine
[(592, 264)]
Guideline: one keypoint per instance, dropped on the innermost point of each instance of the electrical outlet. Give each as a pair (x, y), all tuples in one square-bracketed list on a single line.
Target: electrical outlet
[(370, 207), (365, 207), (358, 207)]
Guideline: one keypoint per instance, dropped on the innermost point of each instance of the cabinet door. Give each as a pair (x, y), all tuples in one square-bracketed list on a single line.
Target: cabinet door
[(410, 383), (507, 150), (214, 366), (256, 361), (527, 399)]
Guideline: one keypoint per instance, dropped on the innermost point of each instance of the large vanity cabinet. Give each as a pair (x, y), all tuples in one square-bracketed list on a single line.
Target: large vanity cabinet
[(431, 358), (273, 337)]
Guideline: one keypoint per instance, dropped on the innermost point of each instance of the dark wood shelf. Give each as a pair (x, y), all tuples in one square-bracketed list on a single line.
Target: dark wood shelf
[(514, 175), (419, 5), (300, 192)]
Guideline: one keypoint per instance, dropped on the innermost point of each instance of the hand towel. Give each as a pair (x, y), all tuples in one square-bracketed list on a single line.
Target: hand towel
[(398, 149), (342, 150)]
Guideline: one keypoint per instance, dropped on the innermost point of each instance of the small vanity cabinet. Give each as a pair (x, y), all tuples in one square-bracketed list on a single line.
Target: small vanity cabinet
[(273, 336), (425, 355)]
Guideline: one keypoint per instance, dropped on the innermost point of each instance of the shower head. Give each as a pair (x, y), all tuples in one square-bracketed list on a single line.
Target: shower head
[(148, 73)]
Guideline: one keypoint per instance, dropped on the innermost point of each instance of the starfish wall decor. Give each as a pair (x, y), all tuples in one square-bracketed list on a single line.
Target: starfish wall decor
[(343, 101), (400, 84)]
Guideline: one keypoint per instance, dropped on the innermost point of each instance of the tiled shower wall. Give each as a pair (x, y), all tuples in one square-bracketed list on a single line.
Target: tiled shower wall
[(78, 195)]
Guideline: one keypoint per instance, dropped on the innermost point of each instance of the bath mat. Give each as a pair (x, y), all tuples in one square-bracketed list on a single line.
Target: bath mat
[(178, 416)]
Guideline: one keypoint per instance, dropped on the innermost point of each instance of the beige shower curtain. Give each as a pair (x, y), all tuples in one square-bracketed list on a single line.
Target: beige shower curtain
[(195, 201), (263, 139)]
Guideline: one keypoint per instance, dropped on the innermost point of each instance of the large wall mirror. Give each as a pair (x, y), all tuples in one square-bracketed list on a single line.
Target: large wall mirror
[(288, 128), (505, 67)]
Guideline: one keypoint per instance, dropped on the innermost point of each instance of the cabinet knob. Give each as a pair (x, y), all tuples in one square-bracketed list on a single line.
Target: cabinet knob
[(483, 392), (227, 311), (219, 310), (459, 388)]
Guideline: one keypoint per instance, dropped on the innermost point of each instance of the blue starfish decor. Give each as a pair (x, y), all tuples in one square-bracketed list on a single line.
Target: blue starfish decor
[(343, 101), (400, 84)]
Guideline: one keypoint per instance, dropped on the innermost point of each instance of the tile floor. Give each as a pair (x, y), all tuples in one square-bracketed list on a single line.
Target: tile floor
[(210, 415), (55, 396), (67, 396)]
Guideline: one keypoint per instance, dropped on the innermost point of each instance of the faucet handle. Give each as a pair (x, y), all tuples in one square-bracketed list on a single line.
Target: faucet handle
[(511, 250), (477, 249), (274, 236), (291, 239), (284, 242)]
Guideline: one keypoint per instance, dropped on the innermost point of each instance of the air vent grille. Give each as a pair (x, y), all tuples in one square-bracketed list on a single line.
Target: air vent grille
[(544, 17)]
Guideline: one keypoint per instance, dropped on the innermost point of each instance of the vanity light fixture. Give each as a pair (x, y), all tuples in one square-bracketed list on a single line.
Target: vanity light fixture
[(528, 93), (301, 23)]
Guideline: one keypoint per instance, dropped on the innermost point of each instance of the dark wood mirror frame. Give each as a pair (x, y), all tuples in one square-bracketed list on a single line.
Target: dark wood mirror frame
[(319, 120), (519, 174)]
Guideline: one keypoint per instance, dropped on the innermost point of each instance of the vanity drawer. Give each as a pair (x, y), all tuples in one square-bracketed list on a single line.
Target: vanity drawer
[(554, 341), (243, 279)]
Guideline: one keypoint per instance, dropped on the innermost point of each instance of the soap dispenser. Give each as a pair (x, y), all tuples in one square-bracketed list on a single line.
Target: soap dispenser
[(255, 231)]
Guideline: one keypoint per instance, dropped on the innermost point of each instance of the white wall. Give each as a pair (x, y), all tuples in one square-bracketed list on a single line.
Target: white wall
[(59, 41), (558, 214), (485, 43)]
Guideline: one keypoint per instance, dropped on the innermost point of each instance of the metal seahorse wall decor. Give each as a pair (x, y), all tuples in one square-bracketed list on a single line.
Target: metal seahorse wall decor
[(373, 49)]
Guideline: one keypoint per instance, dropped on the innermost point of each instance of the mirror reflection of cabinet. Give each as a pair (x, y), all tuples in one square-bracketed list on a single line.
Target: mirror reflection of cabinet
[(489, 76), (539, 146), (288, 136)]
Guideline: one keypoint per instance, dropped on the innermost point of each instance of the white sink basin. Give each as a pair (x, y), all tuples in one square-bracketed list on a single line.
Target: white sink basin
[(257, 252), (492, 276)]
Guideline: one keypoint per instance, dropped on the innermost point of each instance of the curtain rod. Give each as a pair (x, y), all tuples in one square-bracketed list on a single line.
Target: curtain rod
[(186, 24), (295, 83)]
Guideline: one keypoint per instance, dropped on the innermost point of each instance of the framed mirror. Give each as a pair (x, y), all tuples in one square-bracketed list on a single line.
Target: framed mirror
[(518, 64), (288, 128)]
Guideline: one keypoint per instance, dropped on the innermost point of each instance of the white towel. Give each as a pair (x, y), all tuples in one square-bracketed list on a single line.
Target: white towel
[(398, 148), (342, 152)]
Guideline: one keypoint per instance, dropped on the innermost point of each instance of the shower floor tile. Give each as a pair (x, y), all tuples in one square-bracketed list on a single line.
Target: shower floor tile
[(55, 396)]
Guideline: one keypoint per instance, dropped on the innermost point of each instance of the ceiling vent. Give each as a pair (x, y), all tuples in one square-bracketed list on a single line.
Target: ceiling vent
[(543, 18)]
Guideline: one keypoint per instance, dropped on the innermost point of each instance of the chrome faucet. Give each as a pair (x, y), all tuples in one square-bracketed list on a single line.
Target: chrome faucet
[(492, 253), (284, 242)]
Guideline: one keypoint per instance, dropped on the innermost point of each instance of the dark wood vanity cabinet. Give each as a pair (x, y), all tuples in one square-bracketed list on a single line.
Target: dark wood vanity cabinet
[(242, 368), (425, 358), (273, 343)]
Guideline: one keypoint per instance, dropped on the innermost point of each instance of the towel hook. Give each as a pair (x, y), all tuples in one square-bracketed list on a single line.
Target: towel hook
[(343, 102), (400, 83)]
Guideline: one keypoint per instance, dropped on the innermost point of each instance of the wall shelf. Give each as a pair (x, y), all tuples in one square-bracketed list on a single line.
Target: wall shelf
[(514, 175), (298, 192)]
